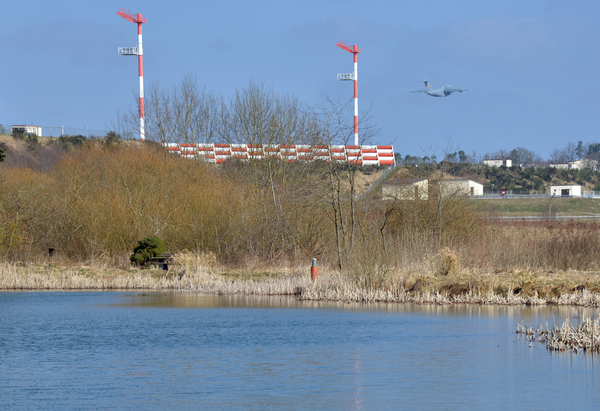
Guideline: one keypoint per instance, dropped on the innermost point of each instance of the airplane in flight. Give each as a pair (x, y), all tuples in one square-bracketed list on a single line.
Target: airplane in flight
[(443, 91)]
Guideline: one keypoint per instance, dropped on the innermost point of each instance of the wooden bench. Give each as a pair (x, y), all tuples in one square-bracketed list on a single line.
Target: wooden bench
[(162, 262)]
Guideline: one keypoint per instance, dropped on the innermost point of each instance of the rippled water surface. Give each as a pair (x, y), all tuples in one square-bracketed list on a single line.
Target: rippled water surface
[(65, 350)]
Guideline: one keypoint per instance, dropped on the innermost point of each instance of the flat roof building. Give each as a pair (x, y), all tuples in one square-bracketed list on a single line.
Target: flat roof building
[(565, 191), (28, 129), (497, 163), (405, 189)]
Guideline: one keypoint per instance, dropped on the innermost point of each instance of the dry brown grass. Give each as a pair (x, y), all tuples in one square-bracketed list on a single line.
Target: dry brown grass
[(97, 203), (447, 263), (332, 285)]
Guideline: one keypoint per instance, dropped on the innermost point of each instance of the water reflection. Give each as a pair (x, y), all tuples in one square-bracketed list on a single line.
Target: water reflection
[(191, 300), (189, 351)]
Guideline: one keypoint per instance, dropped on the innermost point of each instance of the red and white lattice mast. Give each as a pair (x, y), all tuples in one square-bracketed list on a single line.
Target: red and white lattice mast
[(352, 76), (136, 51)]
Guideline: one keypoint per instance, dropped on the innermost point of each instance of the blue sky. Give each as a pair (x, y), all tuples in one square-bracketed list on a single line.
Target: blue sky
[(531, 67)]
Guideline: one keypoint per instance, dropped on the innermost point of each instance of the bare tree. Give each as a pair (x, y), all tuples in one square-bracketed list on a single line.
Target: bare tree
[(185, 113), (558, 156), (338, 195), (520, 155), (570, 151)]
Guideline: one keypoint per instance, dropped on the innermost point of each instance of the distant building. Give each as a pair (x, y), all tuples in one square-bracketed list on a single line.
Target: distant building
[(586, 163), (562, 166), (405, 189), (498, 163), (28, 129), (578, 165), (461, 187), (418, 188), (566, 191)]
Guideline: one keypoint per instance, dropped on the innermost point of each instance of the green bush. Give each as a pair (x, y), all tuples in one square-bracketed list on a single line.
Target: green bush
[(146, 249), (70, 142), (112, 138)]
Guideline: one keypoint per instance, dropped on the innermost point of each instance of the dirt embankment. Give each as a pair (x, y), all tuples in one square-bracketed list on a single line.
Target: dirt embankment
[(42, 153)]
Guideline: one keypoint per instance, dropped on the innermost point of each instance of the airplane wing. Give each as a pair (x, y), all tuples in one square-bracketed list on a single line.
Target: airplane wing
[(419, 91)]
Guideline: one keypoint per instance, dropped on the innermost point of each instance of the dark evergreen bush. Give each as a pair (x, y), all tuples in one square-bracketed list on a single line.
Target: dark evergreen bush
[(146, 249)]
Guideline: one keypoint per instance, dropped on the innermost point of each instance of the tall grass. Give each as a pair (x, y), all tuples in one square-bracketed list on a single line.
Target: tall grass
[(331, 286), (96, 203)]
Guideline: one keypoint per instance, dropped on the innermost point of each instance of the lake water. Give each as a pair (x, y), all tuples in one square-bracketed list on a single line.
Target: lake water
[(98, 350)]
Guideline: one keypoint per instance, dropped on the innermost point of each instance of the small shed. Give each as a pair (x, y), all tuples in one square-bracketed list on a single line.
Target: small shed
[(405, 189), (461, 187), (499, 162), (28, 129), (566, 191)]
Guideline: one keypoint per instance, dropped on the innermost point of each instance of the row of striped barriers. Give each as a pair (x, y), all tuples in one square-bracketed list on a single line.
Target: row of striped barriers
[(219, 153)]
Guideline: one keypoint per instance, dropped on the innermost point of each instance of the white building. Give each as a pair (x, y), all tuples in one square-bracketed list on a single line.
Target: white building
[(562, 166), (405, 189), (418, 188), (28, 129), (565, 191), (461, 187), (498, 163), (578, 164)]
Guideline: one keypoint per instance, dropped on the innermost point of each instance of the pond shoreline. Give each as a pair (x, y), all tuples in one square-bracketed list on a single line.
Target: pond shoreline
[(333, 286)]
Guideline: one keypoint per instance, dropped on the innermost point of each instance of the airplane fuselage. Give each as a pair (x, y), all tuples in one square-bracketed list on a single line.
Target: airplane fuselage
[(443, 91)]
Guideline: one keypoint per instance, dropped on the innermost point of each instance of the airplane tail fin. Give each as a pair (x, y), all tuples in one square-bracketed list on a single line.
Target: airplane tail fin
[(426, 82)]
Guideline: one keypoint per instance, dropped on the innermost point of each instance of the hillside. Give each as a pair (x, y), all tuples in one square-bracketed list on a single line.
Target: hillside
[(529, 180), (42, 153)]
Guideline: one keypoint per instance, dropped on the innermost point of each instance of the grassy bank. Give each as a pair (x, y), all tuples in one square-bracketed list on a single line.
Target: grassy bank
[(512, 288), (538, 206)]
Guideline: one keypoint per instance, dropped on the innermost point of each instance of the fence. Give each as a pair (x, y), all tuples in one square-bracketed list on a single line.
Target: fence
[(57, 131), (379, 180), (511, 195)]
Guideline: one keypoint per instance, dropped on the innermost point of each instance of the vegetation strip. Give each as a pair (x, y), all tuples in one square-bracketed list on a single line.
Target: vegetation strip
[(330, 287), (584, 336), (96, 201)]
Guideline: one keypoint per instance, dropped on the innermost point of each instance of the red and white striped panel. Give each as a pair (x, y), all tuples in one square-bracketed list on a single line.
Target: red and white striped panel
[(385, 149), (381, 155), (306, 157)]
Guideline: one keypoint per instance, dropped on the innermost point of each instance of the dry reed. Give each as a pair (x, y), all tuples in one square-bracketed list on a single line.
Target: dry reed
[(331, 286), (584, 336)]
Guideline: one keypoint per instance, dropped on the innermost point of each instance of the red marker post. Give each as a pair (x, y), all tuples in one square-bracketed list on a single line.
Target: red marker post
[(314, 270)]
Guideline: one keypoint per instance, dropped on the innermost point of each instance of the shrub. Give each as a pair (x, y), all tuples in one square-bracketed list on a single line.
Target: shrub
[(447, 262), (19, 134), (70, 142), (112, 138), (146, 249)]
